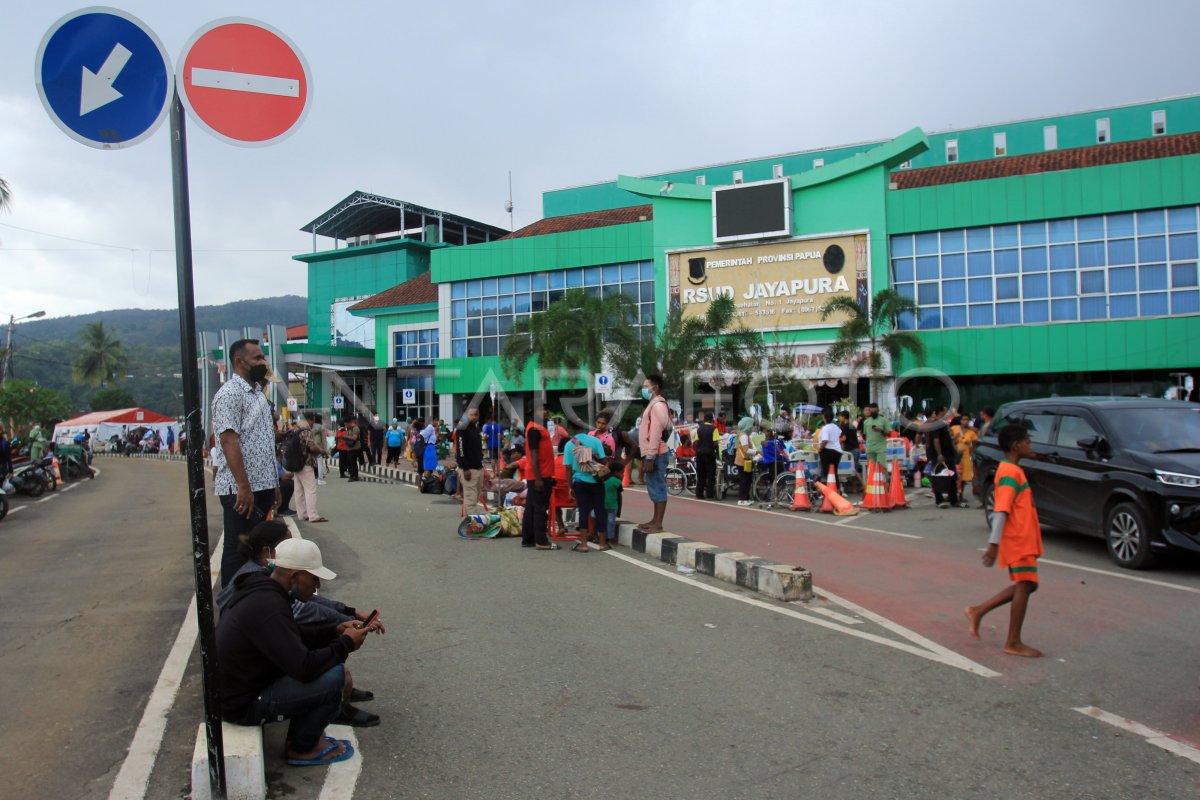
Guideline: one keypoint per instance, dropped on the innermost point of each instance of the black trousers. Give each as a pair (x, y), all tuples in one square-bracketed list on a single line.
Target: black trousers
[(286, 490), (349, 462), (393, 455), (706, 475), (236, 525), (830, 459), (745, 478), (537, 509)]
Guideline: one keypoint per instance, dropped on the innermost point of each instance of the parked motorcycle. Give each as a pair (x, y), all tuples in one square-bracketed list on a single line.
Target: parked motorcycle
[(3, 503), (44, 469), (23, 481)]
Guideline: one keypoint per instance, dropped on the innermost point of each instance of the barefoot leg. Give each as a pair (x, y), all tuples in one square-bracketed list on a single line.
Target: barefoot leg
[(1020, 603), (973, 618), (976, 613)]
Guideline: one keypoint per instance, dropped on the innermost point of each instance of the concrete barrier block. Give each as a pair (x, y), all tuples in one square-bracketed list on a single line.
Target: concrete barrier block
[(625, 534), (725, 565), (746, 574), (654, 543), (245, 774), (686, 551), (783, 582)]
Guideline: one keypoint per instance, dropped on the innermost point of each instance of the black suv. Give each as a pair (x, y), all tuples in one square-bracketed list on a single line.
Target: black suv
[(1125, 468)]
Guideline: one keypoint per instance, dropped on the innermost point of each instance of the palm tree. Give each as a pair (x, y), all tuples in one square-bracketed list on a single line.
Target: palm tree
[(671, 351), (101, 356), (877, 330), (574, 333), (732, 354)]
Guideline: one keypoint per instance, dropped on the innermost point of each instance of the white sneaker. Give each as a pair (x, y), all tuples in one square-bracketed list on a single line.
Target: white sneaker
[(745, 502), (320, 483)]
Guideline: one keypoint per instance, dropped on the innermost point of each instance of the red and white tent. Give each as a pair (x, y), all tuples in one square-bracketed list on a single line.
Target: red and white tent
[(102, 425)]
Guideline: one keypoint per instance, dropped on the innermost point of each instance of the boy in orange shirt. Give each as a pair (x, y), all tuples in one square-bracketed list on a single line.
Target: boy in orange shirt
[(1016, 540)]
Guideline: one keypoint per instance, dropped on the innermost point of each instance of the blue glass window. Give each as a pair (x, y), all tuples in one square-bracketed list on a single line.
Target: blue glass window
[(1120, 225), (490, 326), (927, 244), (1152, 277), (574, 278), (1185, 302), (1008, 313), (979, 289), (979, 263), (557, 280), (1122, 305), (1008, 262), (954, 292), (1181, 219), (647, 292), (1091, 282), (489, 306), (504, 304), (1090, 228), (954, 266), (979, 238), (1093, 308), (474, 288), (1183, 247), (930, 319), (522, 283), (489, 286), (1005, 236), (629, 273), (906, 321), (1154, 305), (906, 290), (1037, 311), (927, 294), (1122, 280), (540, 282), (521, 304), (1121, 251), (1183, 275), (505, 285), (474, 327), (902, 269), (902, 246), (458, 309), (1033, 233), (954, 317), (591, 276), (1034, 259), (1035, 286), (647, 271), (458, 328), (458, 289), (981, 314), (1063, 310), (474, 307), (1091, 254), (1062, 256), (647, 314), (1062, 230), (610, 274), (1007, 288), (1063, 284), (460, 348), (1150, 222), (927, 268), (953, 241), (1153, 248)]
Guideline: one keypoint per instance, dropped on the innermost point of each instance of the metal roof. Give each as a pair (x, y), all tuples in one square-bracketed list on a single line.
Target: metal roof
[(365, 214)]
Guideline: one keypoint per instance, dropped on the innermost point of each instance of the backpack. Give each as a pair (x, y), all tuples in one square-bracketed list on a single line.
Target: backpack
[(450, 484), (431, 484), (584, 461), (292, 451)]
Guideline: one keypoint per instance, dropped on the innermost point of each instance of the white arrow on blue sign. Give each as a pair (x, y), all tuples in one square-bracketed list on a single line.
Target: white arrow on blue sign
[(104, 77), (339, 401), (603, 382), (408, 396)]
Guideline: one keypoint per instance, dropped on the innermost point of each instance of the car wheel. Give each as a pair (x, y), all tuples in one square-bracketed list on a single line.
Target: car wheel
[(1128, 535)]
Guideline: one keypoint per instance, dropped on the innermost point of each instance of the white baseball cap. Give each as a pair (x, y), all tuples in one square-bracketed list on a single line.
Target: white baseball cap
[(303, 555)]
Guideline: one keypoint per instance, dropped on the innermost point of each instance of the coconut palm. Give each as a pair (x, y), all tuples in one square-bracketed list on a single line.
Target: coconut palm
[(671, 351), (573, 333), (731, 354), (877, 330), (101, 356)]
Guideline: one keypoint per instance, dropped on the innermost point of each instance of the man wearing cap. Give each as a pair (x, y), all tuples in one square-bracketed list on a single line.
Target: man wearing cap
[(271, 668)]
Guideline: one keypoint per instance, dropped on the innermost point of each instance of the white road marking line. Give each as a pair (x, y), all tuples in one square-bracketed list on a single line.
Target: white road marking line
[(245, 82), (340, 778), (18, 508), (842, 618), (70, 487), (134, 777), (1121, 575), (1156, 738), (47, 498), (936, 653)]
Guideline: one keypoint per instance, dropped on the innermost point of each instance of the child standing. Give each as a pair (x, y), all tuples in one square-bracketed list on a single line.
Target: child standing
[(1016, 540), (612, 501)]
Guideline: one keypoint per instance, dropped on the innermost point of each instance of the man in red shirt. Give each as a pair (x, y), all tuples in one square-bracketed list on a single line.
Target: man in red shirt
[(540, 452)]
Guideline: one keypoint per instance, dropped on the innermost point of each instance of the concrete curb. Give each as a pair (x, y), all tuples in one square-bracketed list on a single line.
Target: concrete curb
[(155, 456)]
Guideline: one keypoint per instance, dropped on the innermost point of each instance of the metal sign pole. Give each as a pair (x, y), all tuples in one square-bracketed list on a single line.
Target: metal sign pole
[(195, 450)]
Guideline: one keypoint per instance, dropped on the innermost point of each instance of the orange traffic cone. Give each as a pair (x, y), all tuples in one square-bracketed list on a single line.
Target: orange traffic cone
[(800, 501), (876, 497), (827, 506), (57, 474), (500, 467), (896, 496), (841, 506), (625, 474)]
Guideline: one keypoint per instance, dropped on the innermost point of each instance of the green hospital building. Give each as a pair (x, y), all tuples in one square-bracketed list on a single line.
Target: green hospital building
[(1055, 255)]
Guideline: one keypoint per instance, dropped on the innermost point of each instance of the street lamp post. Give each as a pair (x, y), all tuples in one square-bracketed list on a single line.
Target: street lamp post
[(12, 323)]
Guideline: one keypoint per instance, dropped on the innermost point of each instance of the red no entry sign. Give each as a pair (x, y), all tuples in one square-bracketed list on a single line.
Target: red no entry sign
[(244, 82)]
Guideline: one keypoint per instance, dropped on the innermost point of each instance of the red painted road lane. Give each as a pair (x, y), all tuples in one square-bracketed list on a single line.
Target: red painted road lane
[(1087, 619)]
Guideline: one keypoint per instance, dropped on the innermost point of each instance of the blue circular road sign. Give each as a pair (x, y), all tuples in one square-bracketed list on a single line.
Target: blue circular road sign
[(104, 77)]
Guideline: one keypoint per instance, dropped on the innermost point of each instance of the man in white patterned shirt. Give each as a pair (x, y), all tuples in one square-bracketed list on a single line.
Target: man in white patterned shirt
[(247, 482)]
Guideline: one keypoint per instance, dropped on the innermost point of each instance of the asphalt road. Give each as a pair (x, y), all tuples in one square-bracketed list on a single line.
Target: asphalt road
[(510, 673)]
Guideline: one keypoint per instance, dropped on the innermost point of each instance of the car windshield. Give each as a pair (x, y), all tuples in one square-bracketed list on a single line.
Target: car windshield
[(1161, 430)]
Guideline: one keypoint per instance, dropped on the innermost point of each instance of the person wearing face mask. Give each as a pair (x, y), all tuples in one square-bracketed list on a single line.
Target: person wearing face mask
[(247, 479), (271, 667), (875, 431), (653, 435)]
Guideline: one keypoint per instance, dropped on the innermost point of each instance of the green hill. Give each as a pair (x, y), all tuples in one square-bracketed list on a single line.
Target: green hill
[(43, 349)]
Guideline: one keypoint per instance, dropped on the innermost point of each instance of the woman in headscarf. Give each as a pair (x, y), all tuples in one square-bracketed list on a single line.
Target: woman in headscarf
[(743, 458)]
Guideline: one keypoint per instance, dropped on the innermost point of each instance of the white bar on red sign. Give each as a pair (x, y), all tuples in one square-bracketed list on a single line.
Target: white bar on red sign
[(245, 82)]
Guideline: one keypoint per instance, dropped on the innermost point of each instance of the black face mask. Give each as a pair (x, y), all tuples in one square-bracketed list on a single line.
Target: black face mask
[(258, 372)]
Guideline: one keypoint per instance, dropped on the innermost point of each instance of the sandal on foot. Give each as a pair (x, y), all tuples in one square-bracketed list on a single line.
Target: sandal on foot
[(356, 717), (604, 547), (581, 548), (361, 695), (322, 758), (546, 547), (319, 519)]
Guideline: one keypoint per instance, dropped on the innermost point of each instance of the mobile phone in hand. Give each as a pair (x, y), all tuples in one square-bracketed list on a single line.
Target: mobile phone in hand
[(371, 618)]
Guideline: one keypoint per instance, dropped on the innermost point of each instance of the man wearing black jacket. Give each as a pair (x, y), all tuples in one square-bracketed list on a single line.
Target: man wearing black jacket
[(468, 454), (271, 668), (706, 459)]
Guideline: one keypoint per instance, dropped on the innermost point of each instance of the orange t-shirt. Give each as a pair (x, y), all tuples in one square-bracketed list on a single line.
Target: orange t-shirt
[(1022, 534)]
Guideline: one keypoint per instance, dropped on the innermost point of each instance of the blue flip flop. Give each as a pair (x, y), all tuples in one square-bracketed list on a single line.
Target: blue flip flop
[(320, 759)]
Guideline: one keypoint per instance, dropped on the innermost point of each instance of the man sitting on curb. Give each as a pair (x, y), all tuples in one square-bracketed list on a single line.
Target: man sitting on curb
[(269, 668)]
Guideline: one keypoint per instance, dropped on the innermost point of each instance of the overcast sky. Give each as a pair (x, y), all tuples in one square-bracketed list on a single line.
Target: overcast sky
[(435, 102)]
